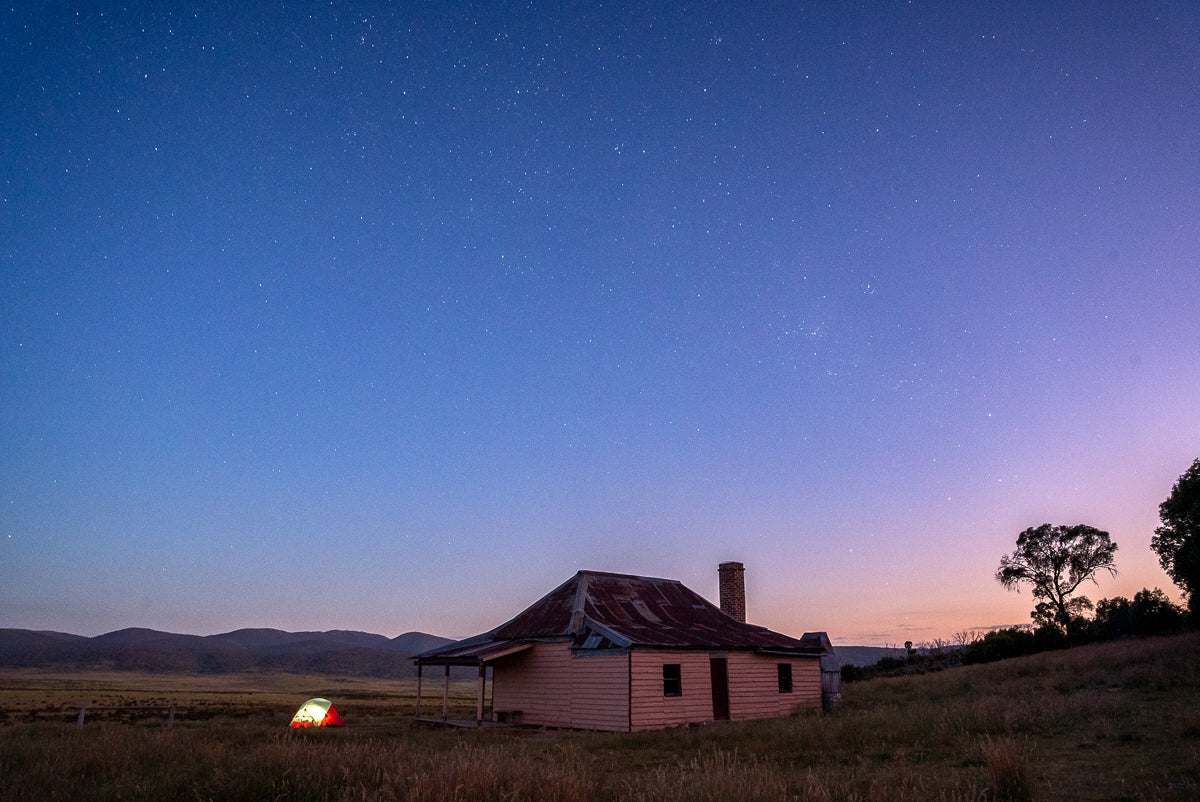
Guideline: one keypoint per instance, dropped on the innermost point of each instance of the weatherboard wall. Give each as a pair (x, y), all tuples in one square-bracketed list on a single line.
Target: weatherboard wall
[(552, 688), (754, 685), (650, 708), (620, 691), (600, 700)]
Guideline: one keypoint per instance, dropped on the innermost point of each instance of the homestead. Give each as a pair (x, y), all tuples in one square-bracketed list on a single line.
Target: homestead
[(625, 653)]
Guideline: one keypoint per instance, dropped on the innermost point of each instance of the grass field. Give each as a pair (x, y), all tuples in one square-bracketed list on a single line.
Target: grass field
[(1110, 721), (30, 696)]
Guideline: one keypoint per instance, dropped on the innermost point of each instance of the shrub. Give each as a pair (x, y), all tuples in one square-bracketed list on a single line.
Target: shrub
[(1150, 613), (1049, 637), (998, 645), (852, 673)]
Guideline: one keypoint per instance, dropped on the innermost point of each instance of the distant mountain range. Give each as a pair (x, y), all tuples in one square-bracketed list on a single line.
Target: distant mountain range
[(860, 655), (335, 653)]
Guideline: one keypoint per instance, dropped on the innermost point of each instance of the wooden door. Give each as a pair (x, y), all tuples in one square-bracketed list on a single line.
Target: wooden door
[(720, 688)]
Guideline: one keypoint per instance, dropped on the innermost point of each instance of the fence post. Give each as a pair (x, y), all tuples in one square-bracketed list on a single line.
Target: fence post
[(82, 710), (171, 718)]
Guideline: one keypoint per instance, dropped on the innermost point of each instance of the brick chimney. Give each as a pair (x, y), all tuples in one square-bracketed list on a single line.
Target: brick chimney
[(733, 590)]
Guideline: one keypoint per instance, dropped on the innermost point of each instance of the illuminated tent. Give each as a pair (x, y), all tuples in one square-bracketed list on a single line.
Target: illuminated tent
[(317, 713)]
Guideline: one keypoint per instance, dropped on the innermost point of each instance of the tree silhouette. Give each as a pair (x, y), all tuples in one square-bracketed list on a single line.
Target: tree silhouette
[(1056, 560), (1177, 541)]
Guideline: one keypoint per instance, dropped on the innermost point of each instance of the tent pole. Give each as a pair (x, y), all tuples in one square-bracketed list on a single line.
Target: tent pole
[(417, 714), (446, 696), (479, 698)]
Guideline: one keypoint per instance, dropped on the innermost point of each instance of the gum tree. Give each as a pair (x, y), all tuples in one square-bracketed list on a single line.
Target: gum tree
[(1055, 561)]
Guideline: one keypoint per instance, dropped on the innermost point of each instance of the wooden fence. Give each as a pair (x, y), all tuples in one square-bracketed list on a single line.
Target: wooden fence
[(170, 711)]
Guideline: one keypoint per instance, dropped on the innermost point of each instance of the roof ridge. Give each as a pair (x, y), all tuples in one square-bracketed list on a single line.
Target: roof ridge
[(575, 625), (589, 572)]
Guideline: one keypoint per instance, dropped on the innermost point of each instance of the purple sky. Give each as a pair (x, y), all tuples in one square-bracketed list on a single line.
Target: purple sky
[(392, 316)]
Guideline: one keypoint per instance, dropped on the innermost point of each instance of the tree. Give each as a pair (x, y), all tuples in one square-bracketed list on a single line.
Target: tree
[(1056, 560), (1177, 541)]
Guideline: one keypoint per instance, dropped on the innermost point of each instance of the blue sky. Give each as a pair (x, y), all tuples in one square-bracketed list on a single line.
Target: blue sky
[(393, 316)]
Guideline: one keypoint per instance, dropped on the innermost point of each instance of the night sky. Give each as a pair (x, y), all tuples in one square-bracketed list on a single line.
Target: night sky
[(392, 316)]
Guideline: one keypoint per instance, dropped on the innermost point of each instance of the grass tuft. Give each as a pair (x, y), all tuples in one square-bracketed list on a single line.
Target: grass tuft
[(1008, 769)]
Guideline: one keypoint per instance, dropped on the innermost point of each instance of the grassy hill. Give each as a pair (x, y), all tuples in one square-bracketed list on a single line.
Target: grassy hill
[(1110, 721)]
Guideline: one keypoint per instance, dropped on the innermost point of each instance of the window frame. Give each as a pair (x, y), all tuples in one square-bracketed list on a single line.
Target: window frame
[(672, 679), (784, 675)]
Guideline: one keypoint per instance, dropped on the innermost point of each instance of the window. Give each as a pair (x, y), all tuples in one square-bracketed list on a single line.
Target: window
[(672, 680), (785, 677)]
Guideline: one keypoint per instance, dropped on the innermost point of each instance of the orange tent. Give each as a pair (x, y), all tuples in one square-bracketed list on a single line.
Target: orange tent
[(317, 713)]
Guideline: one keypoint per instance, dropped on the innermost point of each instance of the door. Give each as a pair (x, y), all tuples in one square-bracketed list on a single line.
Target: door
[(720, 688)]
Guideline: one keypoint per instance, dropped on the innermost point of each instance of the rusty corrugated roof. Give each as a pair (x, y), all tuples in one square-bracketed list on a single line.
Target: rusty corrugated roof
[(601, 610), (473, 651)]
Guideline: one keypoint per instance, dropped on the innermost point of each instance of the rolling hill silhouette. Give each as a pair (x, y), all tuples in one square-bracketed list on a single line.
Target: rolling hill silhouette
[(336, 652)]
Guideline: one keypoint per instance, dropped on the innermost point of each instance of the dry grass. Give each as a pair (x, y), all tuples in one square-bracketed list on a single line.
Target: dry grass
[(1007, 766), (1112, 721), (31, 695)]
